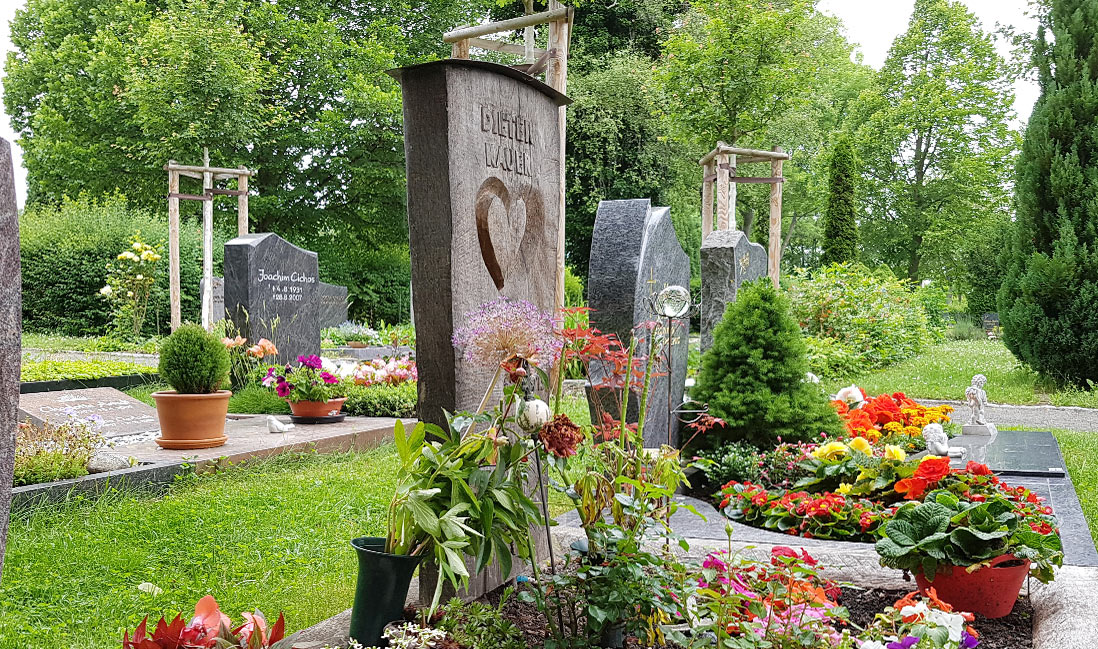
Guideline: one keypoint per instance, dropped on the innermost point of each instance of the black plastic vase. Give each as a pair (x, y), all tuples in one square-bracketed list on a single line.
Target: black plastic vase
[(383, 581)]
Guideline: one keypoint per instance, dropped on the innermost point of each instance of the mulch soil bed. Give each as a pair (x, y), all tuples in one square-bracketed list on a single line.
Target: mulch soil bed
[(1014, 631)]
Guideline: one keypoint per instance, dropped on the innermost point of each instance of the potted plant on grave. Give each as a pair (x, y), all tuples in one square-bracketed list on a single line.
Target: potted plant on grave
[(974, 553), (192, 414), (311, 390)]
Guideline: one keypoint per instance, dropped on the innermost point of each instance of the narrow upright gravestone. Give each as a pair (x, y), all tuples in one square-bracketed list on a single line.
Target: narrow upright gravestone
[(333, 305), (217, 297), (272, 291), (482, 151), (728, 259), (11, 314), (635, 254)]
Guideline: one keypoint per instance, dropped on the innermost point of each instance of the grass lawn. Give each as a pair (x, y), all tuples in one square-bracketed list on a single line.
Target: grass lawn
[(273, 535), (944, 371), (58, 342), (1079, 451)]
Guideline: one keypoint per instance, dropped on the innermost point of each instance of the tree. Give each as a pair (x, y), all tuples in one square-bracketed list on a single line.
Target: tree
[(1048, 302), (935, 141), (753, 377), (840, 236)]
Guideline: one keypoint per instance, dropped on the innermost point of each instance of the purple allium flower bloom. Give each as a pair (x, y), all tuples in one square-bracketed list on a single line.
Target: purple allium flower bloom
[(968, 641), (504, 329), (907, 643)]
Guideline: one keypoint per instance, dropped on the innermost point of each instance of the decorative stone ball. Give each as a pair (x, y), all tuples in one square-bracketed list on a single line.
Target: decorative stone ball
[(535, 414)]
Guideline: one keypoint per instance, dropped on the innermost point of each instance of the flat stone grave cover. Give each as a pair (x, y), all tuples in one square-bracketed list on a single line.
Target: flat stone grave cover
[(1013, 453), (121, 414)]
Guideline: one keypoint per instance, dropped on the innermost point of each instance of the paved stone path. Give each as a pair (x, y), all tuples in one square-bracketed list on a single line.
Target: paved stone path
[(1029, 417)]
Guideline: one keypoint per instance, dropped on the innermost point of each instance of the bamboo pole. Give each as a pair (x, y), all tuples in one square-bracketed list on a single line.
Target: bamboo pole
[(242, 206), (173, 248), (722, 191), (207, 243), (774, 257), (707, 198), (463, 33)]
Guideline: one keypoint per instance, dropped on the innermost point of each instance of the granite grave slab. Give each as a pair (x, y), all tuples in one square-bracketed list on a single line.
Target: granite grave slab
[(11, 288), (728, 259), (119, 414), (218, 297), (272, 291), (1013, 453), (333, 305), (635, 254)]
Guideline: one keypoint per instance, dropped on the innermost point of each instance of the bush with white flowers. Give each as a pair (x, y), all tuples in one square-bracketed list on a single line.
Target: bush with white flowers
[(131, 278)]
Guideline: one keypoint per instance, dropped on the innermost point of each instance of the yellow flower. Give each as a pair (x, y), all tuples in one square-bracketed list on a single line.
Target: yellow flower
[(913, 431), (862, 445), (893, 452), (865, 475), (894, 427), (844, 488), (830, 451)]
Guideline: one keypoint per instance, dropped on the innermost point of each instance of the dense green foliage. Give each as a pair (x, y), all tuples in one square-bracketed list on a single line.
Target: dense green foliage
[(1048, 303), (57, 450), (194, 361), (54, 370), (753, 377), (857, 320), (840, 231), (936, 145), (257, 400), (382, 400), (64, 252)]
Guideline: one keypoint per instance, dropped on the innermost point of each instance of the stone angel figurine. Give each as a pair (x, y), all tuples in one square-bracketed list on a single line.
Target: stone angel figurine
[(937, 442), (977, 400)]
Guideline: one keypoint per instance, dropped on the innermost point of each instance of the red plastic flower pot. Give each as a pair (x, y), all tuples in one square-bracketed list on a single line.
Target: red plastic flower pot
[(990, 591), (327, 408)]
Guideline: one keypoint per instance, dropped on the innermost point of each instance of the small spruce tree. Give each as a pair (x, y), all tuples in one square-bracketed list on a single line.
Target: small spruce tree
[(753, 377), (1048, 303), (840, 235)]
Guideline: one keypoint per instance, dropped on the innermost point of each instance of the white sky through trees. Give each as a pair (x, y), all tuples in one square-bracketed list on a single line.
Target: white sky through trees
[(872, 24)]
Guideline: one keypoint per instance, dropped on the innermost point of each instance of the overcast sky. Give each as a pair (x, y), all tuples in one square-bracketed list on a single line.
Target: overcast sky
[(872, 24)]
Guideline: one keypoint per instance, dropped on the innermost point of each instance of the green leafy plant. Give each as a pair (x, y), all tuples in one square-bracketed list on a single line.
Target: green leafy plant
[(753, 377), (130, 281), (945, 530), (382, 400), (309, 381), (840, 242), (56, 370), (49, 452), (194, 361), (474, 624)]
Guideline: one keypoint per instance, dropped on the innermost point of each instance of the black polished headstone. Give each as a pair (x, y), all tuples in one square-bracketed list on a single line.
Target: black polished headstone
[(1012, 453), (272, 291), (728, 259), (333, 305), (635, 254)]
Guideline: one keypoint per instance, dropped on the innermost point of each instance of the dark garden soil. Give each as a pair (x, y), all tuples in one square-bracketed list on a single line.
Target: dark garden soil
[(1014, 631)]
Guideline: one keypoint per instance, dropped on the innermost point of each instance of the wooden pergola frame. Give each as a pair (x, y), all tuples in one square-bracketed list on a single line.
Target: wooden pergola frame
[(552, 61), (719, 181), (208, 175)]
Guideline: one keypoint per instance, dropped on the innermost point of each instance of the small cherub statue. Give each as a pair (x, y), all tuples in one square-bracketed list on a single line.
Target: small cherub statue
[(977, 400), (937, 442)]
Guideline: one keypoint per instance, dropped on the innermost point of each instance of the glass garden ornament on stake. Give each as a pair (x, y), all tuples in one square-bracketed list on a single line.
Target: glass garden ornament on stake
[(671, 304)]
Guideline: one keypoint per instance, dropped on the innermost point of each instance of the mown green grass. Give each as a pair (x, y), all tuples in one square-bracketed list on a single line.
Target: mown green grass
[(1080, 451), (944, 371), (58, 342), (273, 535)]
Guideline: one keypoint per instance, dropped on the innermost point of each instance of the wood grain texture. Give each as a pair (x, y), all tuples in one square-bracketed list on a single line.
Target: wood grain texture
[(774, 254), (173, 249)]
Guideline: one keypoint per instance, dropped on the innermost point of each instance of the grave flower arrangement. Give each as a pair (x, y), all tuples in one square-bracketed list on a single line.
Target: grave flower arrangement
[(391, 371), (307, 382), (210, 629), (887, 418), (245, 359)]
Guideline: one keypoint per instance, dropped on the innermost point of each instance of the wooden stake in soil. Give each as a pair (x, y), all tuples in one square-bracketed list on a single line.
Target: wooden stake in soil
[(173, 246), (774, 255), (207, 241)]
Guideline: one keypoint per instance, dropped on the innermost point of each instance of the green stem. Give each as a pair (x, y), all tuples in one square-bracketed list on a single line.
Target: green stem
[(649, 365)]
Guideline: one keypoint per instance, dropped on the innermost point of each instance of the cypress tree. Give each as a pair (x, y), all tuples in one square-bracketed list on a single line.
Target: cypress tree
[(840, 235), (1048, 302), (753, 377)]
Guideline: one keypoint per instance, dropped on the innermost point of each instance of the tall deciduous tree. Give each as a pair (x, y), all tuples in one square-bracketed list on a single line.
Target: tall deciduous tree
[(935, 140), (840, 235), (1048, 302)]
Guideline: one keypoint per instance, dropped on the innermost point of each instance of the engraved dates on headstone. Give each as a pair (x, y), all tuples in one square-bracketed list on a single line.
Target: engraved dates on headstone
[(728, 259), (272, 291), (116, 413)]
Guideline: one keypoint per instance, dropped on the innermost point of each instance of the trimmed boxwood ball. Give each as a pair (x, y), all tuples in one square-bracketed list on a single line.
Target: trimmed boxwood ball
[(193, 361), (753, 375)]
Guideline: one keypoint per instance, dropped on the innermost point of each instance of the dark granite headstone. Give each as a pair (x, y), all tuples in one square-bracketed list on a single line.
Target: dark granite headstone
[(728, 259), (272, 291), (218, 309), (1012, 453), (119, 414), (990, 321), (11, 308), (635, 254), (333, 305)]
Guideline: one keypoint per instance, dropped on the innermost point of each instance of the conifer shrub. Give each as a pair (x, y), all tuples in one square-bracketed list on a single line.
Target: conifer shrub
[(1048, 303), (753, 377), (194, 361), (840, 240)]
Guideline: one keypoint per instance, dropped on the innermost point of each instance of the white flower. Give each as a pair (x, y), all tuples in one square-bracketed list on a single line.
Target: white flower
[(851, 395), (151, 589), (106, 290), (871, 644), (951, 621), (129, 293), (809, 377), (917, 610), (137, 245), (140, 277)]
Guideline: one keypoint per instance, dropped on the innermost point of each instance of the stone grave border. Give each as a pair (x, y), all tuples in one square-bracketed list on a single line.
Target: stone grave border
[(120, 382)]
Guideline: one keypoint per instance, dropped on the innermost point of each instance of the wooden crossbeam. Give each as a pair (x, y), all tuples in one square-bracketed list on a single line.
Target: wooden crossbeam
[(187, 170), (747, 179), (466, 33), (743, 155), (503, 46)]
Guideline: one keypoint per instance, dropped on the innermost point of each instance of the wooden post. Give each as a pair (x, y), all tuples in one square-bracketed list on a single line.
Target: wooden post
[(242, 205), (731, 225), (173, 247), (207, 242), (560, 33), (528, 35), (722, 191), (707, 197), (460, 50), (774, 255)]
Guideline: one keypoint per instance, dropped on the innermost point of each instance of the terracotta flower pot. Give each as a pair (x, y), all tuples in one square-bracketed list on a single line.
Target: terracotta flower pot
[(191, 420), (327, 408), (990, 591)]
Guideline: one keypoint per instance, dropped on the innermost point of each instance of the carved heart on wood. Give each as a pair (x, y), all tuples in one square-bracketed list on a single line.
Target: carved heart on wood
[(507, 225)]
